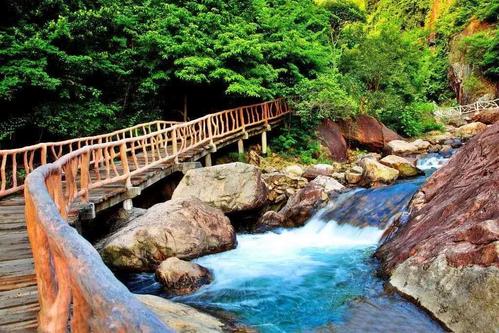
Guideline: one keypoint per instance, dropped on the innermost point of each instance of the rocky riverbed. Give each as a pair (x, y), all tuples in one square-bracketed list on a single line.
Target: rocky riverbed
[(313, 231)]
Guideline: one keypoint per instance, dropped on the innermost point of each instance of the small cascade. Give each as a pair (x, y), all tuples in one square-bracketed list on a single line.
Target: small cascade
[(431, 162), (320, 277)]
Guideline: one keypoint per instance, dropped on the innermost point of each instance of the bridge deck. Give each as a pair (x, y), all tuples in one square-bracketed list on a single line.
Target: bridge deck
[(18, 292)]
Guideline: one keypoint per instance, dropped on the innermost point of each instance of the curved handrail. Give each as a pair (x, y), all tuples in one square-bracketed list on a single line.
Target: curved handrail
[(17, 163), (460, 110), (75, 288)]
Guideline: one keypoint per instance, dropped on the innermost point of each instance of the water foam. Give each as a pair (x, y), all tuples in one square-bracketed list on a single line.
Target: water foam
[(285, 253)]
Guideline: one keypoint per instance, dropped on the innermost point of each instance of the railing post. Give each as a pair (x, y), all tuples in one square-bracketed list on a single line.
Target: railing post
[(85, 176), (128, 203), (44, 154), (213, 147), (174, 145), (243, 123)]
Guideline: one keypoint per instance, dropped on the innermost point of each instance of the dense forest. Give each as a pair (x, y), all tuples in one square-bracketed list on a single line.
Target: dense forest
[(81, 67)]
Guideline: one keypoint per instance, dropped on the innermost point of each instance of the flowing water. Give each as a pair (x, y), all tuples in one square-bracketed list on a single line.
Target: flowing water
[(317, 278)]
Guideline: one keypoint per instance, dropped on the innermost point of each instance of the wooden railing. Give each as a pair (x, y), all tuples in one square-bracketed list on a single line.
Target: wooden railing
[(462, 110), (16, 164), (76, 289)]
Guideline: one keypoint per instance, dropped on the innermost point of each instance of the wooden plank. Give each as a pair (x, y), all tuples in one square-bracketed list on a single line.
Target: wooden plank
[(18, 297)]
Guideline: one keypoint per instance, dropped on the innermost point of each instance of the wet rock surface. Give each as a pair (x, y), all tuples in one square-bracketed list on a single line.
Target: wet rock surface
[(376, 173), (181, 277), (372, 207), (405, 167), (446, 255), (297, 210)]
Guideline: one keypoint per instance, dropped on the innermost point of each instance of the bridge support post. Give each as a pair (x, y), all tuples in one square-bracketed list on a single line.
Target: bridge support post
[(128, 204), (207, 160), (131, 193), (264, 142), (240, 146)]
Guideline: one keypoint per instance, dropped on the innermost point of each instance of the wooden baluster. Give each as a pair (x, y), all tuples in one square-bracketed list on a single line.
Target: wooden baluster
[(107, 162), (85, 175), (174, 145), (210, 130), (241, 120), (25, 162), (2, 170), (134, 156), (44, 155), (113, 162), (14, 170), (124, 164)]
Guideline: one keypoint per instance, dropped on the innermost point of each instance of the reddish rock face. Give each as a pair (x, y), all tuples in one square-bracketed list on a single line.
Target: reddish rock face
[(367, 132), (488, 116), (456, 213), (330, 133)]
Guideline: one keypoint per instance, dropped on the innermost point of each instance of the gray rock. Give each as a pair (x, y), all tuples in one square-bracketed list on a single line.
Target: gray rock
[(233, 187), (177, 228), (182, 318), (182, 277), (465, 298)]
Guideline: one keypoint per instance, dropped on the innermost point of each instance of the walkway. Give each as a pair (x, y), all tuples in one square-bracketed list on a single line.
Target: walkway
[(463, 110), (104, 171)]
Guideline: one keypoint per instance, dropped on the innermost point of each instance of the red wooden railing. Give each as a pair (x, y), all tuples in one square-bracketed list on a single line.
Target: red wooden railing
[(76, 289)]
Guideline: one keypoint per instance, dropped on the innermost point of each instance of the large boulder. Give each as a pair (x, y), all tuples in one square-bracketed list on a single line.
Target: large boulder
[(446, 255), (298, 209), (233, 187), (367, 132), (374, 207), (281, 187), (177, 228), (329, 184), (354, 175), (313, 171), (403, 148), (331, 135), (182, 318), (294, 170), (404, 166), (437, 137), (376, 173), (487, 116), (302, 205), (180, 277), (470, 130)]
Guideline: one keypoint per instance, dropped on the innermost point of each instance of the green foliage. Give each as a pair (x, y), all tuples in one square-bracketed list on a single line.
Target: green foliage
[(417, 119), (324, 98), (482, 50), (88, 66), (72, 68), (388, 71), (298, 140), (237, 157)]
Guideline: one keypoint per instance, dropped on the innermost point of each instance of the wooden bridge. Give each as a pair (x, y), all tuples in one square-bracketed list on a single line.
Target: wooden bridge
[(63, 281), (464, 110)]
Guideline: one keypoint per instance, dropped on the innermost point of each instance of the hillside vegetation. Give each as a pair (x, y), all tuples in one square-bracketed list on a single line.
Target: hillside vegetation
[(73, 68)]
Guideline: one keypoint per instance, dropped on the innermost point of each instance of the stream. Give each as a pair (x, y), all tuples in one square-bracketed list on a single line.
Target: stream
[(317, 278)]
